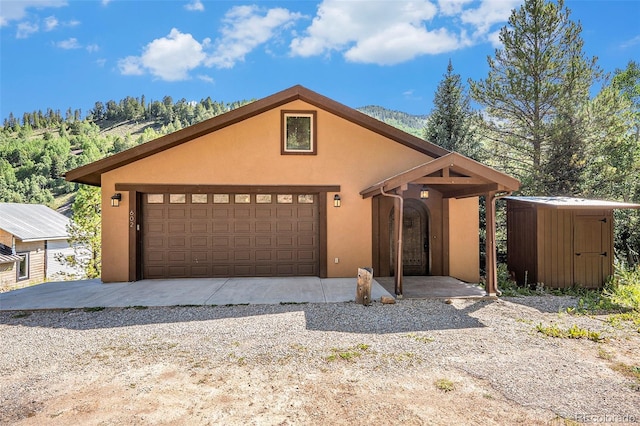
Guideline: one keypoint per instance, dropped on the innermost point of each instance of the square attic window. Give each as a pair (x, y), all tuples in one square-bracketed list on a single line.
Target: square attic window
[(299, 132)]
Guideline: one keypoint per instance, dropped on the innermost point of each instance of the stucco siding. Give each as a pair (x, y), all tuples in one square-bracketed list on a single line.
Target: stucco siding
[(249, 153), (464, 252)]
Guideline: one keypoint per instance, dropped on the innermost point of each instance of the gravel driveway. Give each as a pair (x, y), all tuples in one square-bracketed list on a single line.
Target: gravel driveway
[(415, 362)]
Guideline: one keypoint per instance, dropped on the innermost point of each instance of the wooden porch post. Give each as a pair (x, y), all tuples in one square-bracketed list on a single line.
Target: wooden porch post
[(491, 284), (397, 233)]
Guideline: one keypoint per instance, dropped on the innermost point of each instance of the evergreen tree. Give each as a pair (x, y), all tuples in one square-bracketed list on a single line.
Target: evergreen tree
[(537, 87), (449, 124), (85, 232)]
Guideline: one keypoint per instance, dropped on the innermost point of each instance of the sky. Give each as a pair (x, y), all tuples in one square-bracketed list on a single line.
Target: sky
[(64, 54)]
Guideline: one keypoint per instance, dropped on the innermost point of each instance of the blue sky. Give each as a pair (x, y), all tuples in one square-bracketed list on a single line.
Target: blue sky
[(61, 54)]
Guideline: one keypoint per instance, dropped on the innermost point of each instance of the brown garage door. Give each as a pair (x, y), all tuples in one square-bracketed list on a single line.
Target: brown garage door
[(230, 235)]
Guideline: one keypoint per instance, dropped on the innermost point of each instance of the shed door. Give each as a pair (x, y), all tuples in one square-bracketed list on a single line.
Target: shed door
[(230, 235), (591, 241)]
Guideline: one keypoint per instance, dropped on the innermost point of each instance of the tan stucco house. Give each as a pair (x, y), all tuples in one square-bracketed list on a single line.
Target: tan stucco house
[(293, 184)]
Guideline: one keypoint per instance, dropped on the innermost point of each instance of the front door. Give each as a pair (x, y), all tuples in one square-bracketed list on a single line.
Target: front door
[(415, 239)]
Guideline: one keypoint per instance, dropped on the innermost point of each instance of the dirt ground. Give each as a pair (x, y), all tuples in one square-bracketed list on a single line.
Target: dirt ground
[(194, 366)]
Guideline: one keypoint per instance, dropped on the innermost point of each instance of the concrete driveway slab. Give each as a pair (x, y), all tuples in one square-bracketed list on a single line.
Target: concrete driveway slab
[(181, 292)]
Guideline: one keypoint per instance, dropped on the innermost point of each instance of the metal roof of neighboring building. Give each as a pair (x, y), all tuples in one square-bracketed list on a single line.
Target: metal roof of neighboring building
[(9, 258), (33, 222), (574, 203)]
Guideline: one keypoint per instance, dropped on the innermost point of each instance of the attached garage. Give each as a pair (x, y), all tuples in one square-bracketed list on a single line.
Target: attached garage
[(294, 184), (230, 235)]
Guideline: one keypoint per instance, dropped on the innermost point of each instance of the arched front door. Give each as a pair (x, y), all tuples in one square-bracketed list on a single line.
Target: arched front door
[(415, 239)]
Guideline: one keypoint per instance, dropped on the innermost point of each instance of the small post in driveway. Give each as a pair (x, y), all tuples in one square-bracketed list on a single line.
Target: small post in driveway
[(363, 289)]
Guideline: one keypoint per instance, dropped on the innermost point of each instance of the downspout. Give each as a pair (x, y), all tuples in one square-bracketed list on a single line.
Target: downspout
[(398, 221), (494, 262)]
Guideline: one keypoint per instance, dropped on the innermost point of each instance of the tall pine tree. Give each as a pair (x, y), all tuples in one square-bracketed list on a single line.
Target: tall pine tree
[(534, 97), (450, 122)]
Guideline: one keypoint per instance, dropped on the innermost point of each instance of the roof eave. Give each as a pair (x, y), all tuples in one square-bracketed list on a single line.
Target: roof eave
[(90, 174)]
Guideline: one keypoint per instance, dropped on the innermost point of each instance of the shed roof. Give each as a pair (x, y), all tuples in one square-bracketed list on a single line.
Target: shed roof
[(33, 222), (91, 173), (570, 203)]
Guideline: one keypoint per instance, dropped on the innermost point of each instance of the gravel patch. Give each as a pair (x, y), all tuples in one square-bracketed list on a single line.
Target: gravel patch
[(316, 364)]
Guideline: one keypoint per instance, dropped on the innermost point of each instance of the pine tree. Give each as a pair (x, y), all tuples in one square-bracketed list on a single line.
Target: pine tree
[(449, 124), (536, 89)]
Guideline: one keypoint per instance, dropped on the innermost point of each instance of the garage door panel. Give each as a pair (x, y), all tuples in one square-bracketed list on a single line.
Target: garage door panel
[(284, 227), (200, 271), (177, 242), (286, 270), (264, 241), (199, 212), (241, 212), (221, 256), (264, 227), (177, 212), (242, 227), (220, 238), (221, 241), (264, 255), (242, 255), (242, 242), (221, 227), (199, 242), (284, 241), (154, 227), (177, 227), (199, 228), (265, 270), (264, 212), (199, 256), (306, 227), (177, 271), (243, 270), (155, 243)]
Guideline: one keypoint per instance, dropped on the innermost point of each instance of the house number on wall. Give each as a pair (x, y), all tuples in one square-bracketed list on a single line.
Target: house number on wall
[(132, 219)]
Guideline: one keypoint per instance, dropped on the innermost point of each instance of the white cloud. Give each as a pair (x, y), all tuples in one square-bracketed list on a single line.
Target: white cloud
[(631, 42), (92, 48), (195, 6), (71, 43), (489, 13), (401, 43), (387, 33), (17, 10), (25, 29), (101, 62), (206, 78), (169, 58), (245, 28), (383, 33), (452, 7), (50, 23), (131, 65), (494, 39)]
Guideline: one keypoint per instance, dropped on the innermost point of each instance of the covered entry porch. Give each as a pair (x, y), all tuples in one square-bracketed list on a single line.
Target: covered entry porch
[(426, 221)]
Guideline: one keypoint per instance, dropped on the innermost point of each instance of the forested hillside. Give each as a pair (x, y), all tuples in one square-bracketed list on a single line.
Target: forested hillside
[(36, 148)]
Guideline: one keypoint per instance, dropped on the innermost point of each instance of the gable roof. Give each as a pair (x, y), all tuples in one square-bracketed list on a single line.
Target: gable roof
[(33, 222), (91, 173), (453, 174)]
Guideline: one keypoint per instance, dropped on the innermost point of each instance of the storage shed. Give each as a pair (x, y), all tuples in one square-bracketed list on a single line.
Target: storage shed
[(561, 241)]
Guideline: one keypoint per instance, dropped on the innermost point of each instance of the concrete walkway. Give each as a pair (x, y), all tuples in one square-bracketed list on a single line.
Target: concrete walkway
[(192, 291)]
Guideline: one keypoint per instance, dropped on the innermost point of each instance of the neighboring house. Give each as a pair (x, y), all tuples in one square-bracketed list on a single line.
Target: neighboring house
[(294, 184), (30, 237)]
